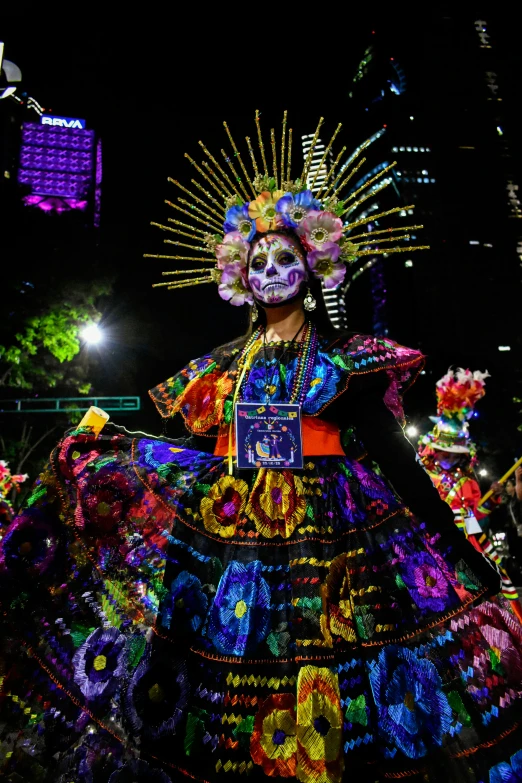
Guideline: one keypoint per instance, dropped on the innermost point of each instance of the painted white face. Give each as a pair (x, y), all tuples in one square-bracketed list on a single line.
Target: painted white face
[(276, 270)]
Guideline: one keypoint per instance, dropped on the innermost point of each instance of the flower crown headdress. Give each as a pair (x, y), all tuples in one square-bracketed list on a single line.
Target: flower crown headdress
[(229, 209)]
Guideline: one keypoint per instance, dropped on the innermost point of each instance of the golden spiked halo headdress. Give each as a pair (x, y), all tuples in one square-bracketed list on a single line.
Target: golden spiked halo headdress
[(229, 207)]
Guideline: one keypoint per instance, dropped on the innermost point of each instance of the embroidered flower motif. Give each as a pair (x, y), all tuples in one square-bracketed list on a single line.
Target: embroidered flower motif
[(100, 662), (414, 712), (240, 615), (320, 228), (263, 210), (254, 389), (29, 545), (319, 726), (232, 251), (294, 209), (273, 744), (324, 264), (238, 220), (426, 583), (157, 696), (232, 287), (106, 497), (138, 770), (202, 401), (507, 771), (223, 506), (277, 504), (337, 617), (185, 607), (503, 635)]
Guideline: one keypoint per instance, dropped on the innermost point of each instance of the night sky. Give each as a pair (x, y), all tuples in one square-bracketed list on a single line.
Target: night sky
[(152, 88)]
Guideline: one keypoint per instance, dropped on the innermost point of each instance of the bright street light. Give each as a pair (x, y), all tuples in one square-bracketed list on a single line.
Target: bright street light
[(483, 472), (92, 334), (412, 431)]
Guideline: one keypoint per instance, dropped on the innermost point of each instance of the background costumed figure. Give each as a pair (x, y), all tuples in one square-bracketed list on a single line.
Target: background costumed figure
[(449, 456), (168, 616)]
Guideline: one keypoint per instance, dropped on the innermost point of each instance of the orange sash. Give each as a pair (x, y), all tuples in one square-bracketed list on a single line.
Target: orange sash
[(320, 439)]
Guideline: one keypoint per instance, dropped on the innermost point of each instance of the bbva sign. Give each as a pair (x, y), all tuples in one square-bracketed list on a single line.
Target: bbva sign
[(62, 122)]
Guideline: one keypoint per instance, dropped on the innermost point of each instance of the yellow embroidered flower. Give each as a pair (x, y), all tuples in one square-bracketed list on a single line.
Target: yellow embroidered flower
[(319, 726), (263, 210), (337, 617), (277, 504), (222, 508)]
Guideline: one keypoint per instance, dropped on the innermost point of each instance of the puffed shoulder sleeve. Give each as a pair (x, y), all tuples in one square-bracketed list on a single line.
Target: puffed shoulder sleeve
[(366, 362), (201, 391)]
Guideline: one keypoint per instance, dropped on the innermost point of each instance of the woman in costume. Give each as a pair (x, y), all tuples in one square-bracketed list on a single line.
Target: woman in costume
[(449, 456), (207, 609)]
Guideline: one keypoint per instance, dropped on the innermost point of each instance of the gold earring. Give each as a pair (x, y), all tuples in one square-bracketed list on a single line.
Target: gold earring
[(254, 313)]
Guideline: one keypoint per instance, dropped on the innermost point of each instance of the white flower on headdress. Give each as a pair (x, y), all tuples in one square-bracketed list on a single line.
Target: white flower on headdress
[(233, 250), (232, 287), (318, 228)]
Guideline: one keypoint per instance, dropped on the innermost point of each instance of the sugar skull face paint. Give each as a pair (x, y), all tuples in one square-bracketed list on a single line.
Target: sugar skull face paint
[(276, 270)]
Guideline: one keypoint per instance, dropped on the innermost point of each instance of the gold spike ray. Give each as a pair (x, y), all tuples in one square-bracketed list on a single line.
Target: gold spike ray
[(190, 247), (327, 150), (208, 195), (371, 194), (371, 181), (274, 156), (244, 195), (221, 193), (238, 156), (186, 225), (347, 165), (390, 250), (187, 271), (198, 200), (212, 220), (379, 241), (180, 258), (176, 231), (220, 183), (183, 283), (371, 218), (283, 141), (386, 231), (333, 184), (260, 139), (252, 158), (192, 216), (330, 173), (188, 283), (308, 160), (218, 167), (289, 161)]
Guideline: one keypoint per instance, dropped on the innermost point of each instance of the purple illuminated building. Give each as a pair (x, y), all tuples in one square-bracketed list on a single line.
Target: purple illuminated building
[(60, 167)]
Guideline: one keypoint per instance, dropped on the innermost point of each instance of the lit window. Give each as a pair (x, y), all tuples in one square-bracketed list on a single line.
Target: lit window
[(408, 264), (406, 179), (395, 149), (419, 179), (401, 149), (432, 180), (424, 172), (415, 149), (487, 245), (426, 179), (398, 173), (504, 347), (403, 213), (408, 149), (421, 149), (428, 149), (410, 212), (473, 242), (411, 118)]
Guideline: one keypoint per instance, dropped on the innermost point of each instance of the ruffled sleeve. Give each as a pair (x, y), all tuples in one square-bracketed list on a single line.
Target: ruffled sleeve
[(365, 355), (200, 390)]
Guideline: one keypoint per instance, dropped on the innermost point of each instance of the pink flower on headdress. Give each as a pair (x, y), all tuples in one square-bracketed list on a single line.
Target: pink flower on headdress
[(319, 228), (263, 210), (232, 287), (324, 264), (233, 250)]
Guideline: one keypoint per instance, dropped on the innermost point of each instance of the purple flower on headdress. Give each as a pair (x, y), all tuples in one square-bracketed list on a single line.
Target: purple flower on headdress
[(324, 264), (507, 771), (29, 544), (238, 219), (232, 287), (185, 607), (414, 712), (240, 615), (426, 583), (138, 770), (100, 662), (294, 209), (157, 696), (233, 251)]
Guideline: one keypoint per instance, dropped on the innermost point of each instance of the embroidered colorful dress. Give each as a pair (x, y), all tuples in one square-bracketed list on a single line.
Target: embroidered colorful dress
[(165, 619)]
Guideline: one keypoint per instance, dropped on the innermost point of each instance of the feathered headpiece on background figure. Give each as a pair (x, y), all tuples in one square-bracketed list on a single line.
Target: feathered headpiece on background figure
[(457, 394), (229, 206)]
